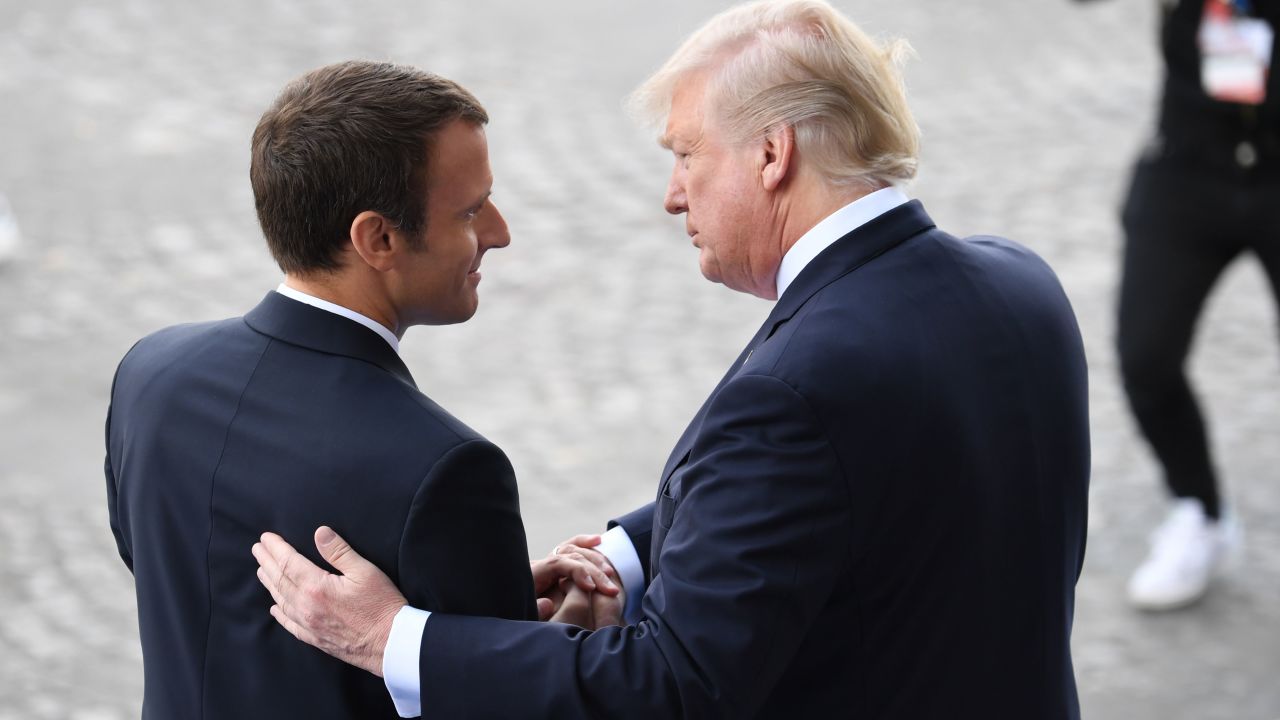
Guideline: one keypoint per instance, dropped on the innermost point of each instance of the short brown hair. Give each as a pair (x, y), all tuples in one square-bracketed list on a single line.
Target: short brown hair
[(344, 139)]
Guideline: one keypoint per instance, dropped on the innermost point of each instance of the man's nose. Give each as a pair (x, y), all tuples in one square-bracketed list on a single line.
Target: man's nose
[(675, 201), (496, 234)]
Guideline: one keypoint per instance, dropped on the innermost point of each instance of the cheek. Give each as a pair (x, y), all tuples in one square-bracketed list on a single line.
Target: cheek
[(459, 252)]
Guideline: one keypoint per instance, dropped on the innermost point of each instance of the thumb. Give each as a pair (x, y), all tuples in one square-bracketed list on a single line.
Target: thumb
[(546, 608), (337, 552)]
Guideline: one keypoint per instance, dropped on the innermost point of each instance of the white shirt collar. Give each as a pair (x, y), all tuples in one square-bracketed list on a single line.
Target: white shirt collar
[(832, 228), (347, 313)]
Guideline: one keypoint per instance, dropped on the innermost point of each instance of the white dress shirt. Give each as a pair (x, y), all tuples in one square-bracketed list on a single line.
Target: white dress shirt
[(400, 659), (347, 313)]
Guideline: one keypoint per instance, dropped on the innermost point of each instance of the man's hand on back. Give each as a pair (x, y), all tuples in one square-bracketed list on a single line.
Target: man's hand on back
[(348, 616)]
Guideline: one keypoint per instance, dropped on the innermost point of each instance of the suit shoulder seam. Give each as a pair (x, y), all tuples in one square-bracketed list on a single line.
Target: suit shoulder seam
[(213, 485)]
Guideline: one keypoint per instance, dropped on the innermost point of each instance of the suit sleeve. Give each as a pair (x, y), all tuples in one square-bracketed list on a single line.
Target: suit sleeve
[(756, 544), (639, 527), (464, 548), (113, 510)]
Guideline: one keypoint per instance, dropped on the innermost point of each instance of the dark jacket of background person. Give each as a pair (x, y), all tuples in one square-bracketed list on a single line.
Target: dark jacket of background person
[(289, 418), (1205, 191), (879, 513), (1198, 132)]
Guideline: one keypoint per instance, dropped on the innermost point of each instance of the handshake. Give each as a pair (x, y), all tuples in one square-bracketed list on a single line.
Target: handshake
[(578, 585), (349, 615)]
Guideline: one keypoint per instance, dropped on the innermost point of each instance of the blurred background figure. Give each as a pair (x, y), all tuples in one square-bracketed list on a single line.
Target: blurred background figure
[(1206, 190), (9, 235)]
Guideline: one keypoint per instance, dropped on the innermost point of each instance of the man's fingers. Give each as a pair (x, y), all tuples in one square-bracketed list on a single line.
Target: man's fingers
[(576, 609), (291, 568), (294, 628), (273, 576), (265, 579), (605, 610), (588, 576), (553, 595), (546, 608), (338, 553), (348, 616), (268, 568), (578, 543), (550, 570), (288, 573), (583, 541), (581, 545), (584, 573), (597, 558), (275, 545)]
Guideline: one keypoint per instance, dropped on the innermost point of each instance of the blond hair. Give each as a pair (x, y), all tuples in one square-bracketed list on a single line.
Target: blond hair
[(799, 63)]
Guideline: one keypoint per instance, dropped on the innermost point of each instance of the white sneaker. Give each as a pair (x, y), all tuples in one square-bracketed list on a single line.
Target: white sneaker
[(1186, 550)]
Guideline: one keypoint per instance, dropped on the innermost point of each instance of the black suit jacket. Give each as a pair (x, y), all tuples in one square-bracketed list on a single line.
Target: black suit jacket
[(289, 418), (878, 513)]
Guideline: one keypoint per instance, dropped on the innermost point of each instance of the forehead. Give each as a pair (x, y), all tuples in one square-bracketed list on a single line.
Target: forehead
[(688, 102), (459, 159)]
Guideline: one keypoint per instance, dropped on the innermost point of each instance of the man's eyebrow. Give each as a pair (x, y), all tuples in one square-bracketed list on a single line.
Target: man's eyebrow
[(664, 141), (480, 201)]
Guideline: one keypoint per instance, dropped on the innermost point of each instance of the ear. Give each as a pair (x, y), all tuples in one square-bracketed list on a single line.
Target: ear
[(375, 240), (779, 149)]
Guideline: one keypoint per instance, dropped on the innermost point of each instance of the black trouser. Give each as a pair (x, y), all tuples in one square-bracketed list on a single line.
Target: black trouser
[(1183, 227)]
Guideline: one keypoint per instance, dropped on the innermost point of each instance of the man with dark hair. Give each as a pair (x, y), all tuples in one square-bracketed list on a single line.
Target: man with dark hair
[(372, 186)]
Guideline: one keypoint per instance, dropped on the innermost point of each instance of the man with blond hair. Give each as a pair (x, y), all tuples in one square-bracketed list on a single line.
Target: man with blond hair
[(879, 511)]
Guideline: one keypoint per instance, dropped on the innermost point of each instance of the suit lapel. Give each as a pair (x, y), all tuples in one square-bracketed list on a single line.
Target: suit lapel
[(300, 324), (681, 450), (850, 252)]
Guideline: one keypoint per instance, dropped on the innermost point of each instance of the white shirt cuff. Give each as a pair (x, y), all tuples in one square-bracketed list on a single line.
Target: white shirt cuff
[(616, 545), (400, 660)]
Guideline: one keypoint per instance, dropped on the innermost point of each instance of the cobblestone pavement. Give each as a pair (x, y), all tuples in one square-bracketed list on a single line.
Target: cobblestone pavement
[(124, 132)]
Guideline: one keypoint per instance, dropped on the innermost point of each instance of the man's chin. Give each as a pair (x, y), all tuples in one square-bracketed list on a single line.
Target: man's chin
[(709, 270), (763, 292), (452, 316)]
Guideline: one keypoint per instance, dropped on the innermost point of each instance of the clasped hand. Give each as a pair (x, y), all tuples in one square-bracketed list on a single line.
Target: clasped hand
[(578, 585), (349, 616)]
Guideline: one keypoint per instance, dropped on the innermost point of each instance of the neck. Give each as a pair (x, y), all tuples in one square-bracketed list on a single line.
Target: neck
[(807, 206), (340, 290)]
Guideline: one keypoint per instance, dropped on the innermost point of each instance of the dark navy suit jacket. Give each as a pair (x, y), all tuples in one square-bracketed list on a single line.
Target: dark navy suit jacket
[(878, 513), (289, 418)]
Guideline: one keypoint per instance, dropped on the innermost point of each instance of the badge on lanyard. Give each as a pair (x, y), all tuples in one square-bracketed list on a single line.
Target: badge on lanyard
[(1235, 52)]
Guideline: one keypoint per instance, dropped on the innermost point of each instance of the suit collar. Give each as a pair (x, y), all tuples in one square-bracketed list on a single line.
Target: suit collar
[(365, 320), (832, 228), (855, 249), (299, 324)]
